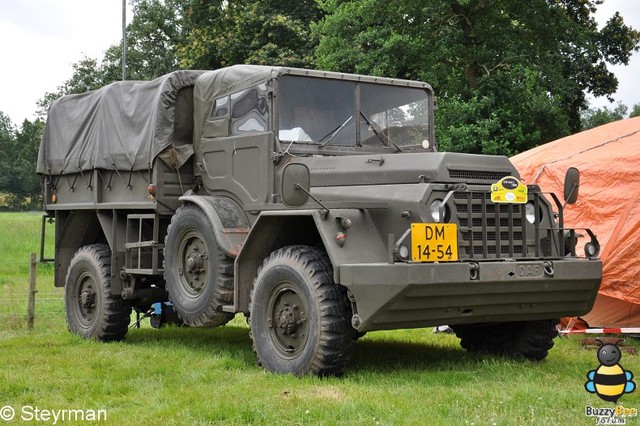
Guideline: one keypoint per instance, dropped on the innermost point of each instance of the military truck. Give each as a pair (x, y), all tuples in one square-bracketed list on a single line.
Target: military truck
[(315, 203)]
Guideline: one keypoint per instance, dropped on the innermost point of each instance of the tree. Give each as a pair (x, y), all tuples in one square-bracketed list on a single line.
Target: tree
[(87, 75), (7, 138), (635, 111), (154, 36), (18, 157), (27, 188), (273, 32), (594, 117), (509, 75), (165, 35)]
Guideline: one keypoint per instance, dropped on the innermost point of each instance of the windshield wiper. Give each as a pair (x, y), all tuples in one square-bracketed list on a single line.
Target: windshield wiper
[(334, 132), (383, 138)]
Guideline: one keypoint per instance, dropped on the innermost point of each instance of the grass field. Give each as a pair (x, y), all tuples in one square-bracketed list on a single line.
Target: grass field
[(209, 376)]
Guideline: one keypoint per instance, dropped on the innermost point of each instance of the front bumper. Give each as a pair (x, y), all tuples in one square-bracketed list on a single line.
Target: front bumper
[(409, 295)]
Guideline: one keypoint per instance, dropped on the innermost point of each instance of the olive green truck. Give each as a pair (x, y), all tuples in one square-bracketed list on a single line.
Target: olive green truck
[(312, 202)]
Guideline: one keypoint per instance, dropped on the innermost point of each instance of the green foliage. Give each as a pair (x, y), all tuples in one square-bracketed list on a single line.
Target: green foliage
[(635, 111), (18, 157), (153, 38), (501, 118), (87, 75), (272, 32), (372, 37), (594, 117), (509, 75), (7, 137)]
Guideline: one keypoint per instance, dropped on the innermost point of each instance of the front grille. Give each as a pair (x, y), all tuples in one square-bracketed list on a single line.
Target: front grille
[(477, 175), (491, 231)]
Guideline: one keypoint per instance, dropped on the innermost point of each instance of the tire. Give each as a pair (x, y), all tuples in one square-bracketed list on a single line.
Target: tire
[(92, 311), (198, 276), (524, 339), (300, 319)]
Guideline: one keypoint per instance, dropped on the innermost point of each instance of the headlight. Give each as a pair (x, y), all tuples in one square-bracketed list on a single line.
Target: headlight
[(530, 212), (435, 211), (591, 250)]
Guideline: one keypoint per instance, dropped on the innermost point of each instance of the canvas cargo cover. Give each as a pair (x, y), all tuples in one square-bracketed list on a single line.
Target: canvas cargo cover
[(122, 126), (608, 158)]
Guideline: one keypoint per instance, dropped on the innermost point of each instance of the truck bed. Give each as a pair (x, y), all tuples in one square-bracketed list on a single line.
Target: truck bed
[(119, 189)]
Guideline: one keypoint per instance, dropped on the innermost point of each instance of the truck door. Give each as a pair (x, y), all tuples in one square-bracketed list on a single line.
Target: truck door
[(239, 166)]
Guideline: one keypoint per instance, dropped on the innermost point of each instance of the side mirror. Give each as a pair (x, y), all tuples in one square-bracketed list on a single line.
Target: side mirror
[(296, 183), (571, 185)]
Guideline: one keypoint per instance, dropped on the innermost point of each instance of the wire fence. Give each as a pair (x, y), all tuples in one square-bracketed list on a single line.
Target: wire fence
[(25, 305), (25, 298), (58, 297), (18, 305), (46, 305)]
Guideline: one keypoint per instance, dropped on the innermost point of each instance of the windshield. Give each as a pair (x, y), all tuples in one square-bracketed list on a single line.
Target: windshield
[(338, 112)]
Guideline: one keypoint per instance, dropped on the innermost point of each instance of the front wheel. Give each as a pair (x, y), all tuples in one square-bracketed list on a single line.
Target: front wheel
[(299, 318), (92, 311), (524, 339)]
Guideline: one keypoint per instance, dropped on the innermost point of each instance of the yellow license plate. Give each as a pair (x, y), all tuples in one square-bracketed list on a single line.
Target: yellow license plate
[(433, 242)]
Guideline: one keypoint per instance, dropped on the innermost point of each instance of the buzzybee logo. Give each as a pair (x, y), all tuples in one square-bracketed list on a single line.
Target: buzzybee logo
[(610, 380)]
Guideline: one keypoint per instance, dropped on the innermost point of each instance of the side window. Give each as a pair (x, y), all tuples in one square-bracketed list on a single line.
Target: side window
[(250, 111), (220, 108)]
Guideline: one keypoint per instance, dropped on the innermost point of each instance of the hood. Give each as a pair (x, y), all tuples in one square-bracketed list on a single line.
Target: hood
[(407, 168)]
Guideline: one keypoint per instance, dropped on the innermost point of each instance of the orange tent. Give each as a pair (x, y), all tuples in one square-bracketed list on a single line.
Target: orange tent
[(608, 158)]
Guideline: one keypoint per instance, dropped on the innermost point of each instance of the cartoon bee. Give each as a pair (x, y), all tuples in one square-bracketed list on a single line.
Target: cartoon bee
[(609, 381)]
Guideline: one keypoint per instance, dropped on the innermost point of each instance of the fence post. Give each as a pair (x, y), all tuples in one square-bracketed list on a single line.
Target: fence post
[(31, 307)]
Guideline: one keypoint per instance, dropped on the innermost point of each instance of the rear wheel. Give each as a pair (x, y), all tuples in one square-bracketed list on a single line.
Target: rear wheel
[(92, 311), (199, 277), (300, 319), (525, 339)]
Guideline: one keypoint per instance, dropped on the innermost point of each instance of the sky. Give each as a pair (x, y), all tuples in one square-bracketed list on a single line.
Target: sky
[(41, 39), (628, 88)]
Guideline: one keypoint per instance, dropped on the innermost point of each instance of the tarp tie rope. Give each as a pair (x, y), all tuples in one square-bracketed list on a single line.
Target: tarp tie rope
[(83, 177), (109, 183), (55, 184), (596, 146), (72, 187), (535, 179), (90, 185), (129, 181), (175, 167)]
